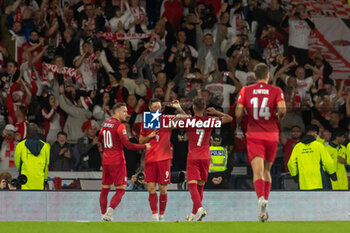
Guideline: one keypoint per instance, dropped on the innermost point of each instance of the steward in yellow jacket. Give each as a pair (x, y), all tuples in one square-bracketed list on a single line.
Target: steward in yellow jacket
[(32, 156), (307, 159), (338, 153)]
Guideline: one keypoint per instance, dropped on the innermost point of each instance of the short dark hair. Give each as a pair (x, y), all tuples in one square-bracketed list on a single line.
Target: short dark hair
[(117, 106), (153, 100), (62, 133), (34, 31), (296, 126), (337, 133), (199, 103), (312, 128), (328, 81), (5, 176), (261, 70), (161, 72), (13, 62)]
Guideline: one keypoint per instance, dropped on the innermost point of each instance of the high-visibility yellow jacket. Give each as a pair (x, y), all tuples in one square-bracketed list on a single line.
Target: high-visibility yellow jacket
[(342, 182), (218, 159), (32, 157), (306, 160)]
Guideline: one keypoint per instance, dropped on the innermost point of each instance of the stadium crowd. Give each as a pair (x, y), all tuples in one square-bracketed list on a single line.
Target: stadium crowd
[(64, 64)]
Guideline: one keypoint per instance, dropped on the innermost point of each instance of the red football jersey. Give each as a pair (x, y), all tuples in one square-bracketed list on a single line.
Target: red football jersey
[(199, 139), (113, 136), (160, 144), (260, 100)]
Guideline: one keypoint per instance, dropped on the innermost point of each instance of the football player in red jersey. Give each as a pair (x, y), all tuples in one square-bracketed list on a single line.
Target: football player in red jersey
[(113, 137), (198, 159), (265, 106), (157, 162)]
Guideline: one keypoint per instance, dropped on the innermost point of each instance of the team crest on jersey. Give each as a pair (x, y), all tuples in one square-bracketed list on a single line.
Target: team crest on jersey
[(124, 131), (151, 120)]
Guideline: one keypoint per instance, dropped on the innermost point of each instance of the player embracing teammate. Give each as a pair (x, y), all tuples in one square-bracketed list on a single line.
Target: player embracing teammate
[(198, 159), (265, 106)]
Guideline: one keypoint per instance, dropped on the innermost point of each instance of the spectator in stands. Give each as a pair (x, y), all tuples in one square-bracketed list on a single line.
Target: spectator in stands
[(291, 119), (11, 37), (121, 16), (224, 90), (102, 110), (34, 46), (3, 55), (179, 140), (77, 115), (289, 143), (208, 50), (335, 97), (133, 86), (53, 118), (334, 118), (173, 11), (180, 51), (116, 89), (274, 13), (88, 63), (32, 157), (12, 73), (61, 154), (8, 145), (90, 158), (18, 112), (271, 42), (300, 27)]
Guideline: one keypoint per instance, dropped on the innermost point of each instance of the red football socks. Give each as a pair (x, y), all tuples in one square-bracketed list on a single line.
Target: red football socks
[(162, 203), (267, 190), (259, 186), (153, 202), (104, 200), (116, 199), (197, 203), (200, 190)]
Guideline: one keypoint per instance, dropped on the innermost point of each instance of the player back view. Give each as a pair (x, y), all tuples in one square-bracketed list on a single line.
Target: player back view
[(264, 105), (198, 159)]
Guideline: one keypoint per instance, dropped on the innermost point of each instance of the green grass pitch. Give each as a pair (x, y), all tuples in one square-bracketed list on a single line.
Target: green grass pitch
[(176, 227)]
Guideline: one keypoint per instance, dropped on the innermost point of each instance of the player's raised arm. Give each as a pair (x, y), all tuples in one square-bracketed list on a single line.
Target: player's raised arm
[(176, 104), (225, 118)]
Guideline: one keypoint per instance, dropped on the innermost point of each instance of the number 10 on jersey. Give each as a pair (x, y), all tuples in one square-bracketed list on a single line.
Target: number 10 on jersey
[(107, 139)]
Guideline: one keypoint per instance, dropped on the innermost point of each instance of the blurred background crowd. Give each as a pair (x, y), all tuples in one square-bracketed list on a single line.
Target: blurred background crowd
[(64, 64)]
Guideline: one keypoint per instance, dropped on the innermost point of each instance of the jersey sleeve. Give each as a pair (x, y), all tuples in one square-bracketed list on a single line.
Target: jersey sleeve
[(241, 96), (279, 95), (121, 131)]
